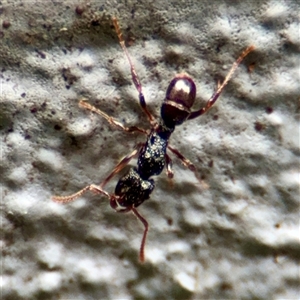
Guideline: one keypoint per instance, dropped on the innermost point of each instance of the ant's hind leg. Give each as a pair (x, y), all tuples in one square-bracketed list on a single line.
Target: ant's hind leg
[(221, 86), (110, 120), (134, 75)]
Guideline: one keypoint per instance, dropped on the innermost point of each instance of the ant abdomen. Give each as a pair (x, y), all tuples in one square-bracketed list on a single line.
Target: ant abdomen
[(180, 97), (182, 90)]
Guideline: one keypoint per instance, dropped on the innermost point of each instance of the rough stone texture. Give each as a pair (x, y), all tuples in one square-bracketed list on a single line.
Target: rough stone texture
[(235, 235)]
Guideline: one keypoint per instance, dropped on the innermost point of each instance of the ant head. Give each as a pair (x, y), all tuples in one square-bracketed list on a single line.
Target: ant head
[(179, 99)]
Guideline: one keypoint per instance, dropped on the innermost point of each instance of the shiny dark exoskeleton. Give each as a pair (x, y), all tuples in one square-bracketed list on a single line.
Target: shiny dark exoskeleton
[(151, 159), (137, 184)]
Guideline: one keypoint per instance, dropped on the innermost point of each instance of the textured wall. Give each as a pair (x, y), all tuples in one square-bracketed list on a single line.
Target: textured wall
[(235, 235)]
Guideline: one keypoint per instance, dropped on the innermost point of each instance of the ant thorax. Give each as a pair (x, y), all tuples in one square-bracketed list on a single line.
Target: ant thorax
[(151, 159)]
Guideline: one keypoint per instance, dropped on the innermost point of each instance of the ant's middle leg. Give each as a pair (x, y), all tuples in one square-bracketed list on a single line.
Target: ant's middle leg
[(110, 120), (134, 75), (124, 162), (187, 163), (169, 164)]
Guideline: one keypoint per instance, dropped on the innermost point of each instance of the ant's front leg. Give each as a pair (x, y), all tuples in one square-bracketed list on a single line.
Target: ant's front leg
[(99, 188), (91, 187), (134, 75), (110, 120), (146, 228)]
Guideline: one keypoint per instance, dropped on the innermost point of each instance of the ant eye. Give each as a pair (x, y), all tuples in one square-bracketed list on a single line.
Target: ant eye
[(180, 98)]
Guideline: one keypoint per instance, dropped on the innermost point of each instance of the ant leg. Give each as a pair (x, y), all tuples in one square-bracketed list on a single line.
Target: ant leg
[(110, 120), (134, 75), (96, 188), (187, 163), (122, 164), (220, 88), (92, 187), (145, 223), (169, 164)]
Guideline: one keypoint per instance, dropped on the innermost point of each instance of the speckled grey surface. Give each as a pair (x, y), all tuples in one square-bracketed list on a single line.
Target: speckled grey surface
[(234, 236)]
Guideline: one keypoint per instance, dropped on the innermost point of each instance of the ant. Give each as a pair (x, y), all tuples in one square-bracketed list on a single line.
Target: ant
[(136, 185)]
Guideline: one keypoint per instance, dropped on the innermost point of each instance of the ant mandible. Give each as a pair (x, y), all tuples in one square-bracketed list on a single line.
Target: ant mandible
[(136, 185)]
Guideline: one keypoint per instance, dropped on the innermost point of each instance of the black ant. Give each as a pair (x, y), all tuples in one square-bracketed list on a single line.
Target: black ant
[(136, 185)]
